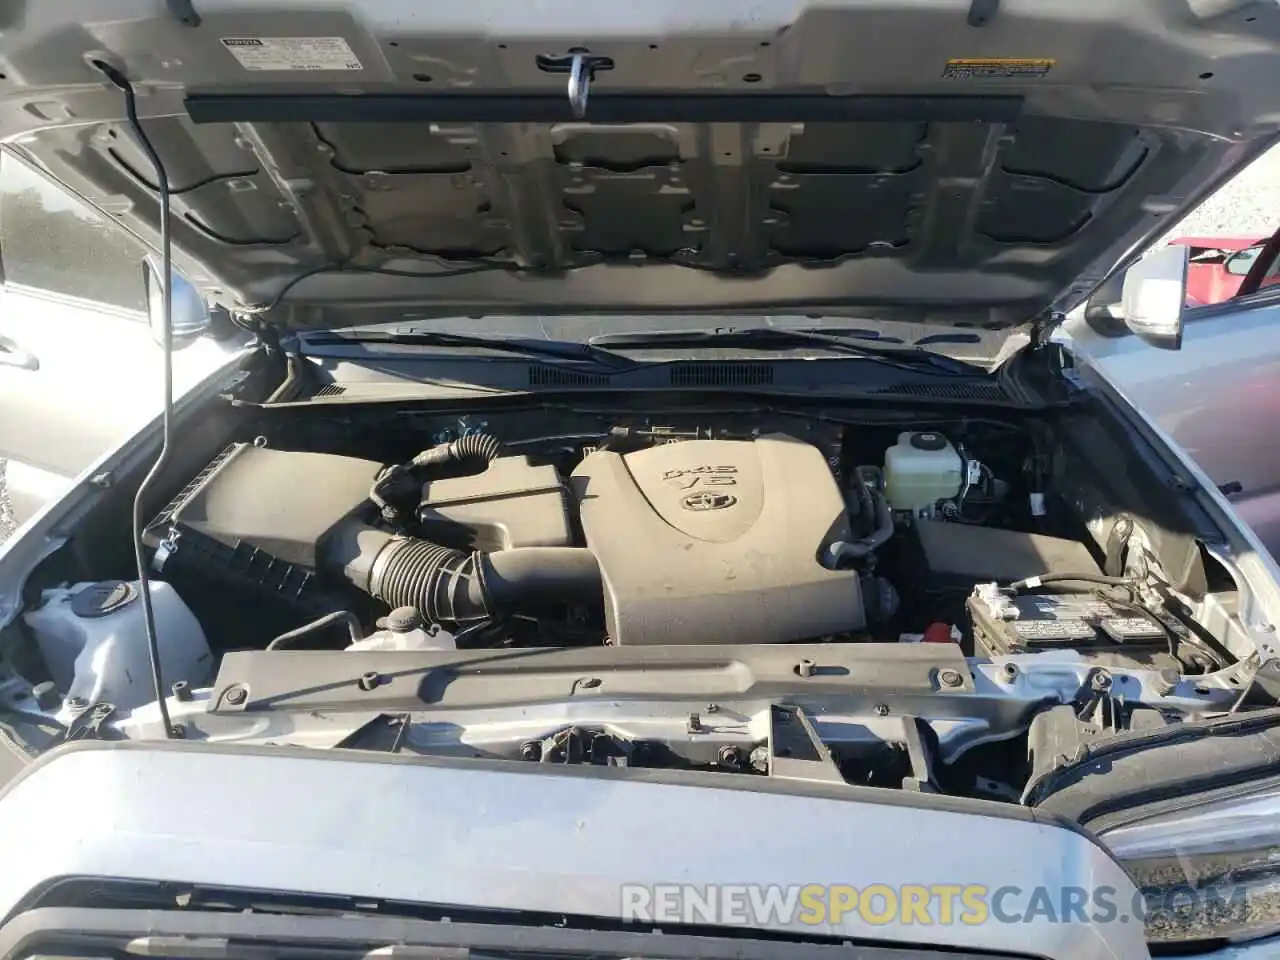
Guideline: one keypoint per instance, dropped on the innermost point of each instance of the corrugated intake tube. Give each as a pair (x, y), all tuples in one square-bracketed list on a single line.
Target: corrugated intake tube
[(454, 586), (482, 448), (474, 446)]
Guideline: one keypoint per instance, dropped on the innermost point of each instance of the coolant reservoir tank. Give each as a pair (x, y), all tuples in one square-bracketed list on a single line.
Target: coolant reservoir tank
[(94, 641), (921, 469), (403, 629)]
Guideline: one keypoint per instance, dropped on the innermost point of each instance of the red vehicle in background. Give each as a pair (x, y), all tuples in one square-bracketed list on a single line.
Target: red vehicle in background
[(1219, 266)]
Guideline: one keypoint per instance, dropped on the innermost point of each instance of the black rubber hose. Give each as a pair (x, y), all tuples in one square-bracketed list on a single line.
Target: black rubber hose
[(455, 586), (338, 616), (865, 505), (476, 446), (481, 447), (881, 516)]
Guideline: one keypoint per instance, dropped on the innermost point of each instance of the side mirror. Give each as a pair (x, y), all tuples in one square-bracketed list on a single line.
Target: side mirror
[(190, 314), (1154, 294), (1102, 312), (1239, 264)]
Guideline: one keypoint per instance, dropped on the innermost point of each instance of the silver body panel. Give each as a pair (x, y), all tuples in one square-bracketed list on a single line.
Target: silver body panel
[(1216, 398), (308, 698), (93, 380), (509, 837)]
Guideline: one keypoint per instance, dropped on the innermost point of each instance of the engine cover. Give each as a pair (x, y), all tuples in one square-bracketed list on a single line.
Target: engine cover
[(717, 541)]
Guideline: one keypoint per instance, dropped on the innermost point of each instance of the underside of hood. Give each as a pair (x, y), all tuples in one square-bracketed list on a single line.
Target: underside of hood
[(976, 163)]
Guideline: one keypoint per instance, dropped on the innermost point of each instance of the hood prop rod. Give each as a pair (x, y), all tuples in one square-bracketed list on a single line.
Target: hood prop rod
[(139, 500)]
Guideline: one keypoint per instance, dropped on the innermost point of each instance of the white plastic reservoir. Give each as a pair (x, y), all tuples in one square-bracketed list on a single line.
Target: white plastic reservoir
[(921, 469), (95, 643), (403, 629)]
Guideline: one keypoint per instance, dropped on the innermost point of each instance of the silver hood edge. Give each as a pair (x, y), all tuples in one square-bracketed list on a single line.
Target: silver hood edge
[(492, 836)]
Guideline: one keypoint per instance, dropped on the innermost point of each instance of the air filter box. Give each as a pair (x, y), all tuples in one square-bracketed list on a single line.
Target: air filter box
[(249, 529)]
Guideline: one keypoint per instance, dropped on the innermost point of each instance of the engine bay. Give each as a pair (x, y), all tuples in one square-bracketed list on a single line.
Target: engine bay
[(642, 534), (924, 602)]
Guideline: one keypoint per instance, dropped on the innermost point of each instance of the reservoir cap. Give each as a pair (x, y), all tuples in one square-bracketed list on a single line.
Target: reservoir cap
[(928, 441), (102, 598)]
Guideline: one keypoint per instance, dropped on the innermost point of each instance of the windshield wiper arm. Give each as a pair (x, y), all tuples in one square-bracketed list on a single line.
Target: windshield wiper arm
[(786, 338), (551, 349)]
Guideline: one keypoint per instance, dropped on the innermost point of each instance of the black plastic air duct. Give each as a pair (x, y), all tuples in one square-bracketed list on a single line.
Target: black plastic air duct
[(455, 586)]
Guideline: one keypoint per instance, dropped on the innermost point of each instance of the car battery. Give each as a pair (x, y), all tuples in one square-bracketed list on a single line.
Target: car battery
[(1035, 622)]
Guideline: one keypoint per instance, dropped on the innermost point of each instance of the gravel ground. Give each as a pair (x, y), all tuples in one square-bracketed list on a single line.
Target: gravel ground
[(6, 515), (1250, 204)]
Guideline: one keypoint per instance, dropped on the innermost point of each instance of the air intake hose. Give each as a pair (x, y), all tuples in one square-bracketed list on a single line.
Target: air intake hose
[(474, 446), (480, 447), (454, 586)]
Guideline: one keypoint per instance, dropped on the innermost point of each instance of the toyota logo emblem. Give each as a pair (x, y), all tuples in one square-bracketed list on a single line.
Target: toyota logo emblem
[(699, 502)]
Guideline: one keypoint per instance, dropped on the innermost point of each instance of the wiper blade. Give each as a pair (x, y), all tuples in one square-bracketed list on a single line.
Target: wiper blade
[(851, 343), (551, 349)]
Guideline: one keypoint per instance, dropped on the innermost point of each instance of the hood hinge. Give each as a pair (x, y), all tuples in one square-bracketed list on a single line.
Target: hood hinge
[(1042, 328), (267, 333)]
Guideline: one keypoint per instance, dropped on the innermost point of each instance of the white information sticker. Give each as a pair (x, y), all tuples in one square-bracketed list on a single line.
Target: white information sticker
[(292, 53)]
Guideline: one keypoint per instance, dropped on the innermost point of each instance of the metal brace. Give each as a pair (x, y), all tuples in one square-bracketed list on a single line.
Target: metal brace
[(917, 738), (794, 749), (386, 733), (88, 725), (1262, 688), (1097, 704)]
